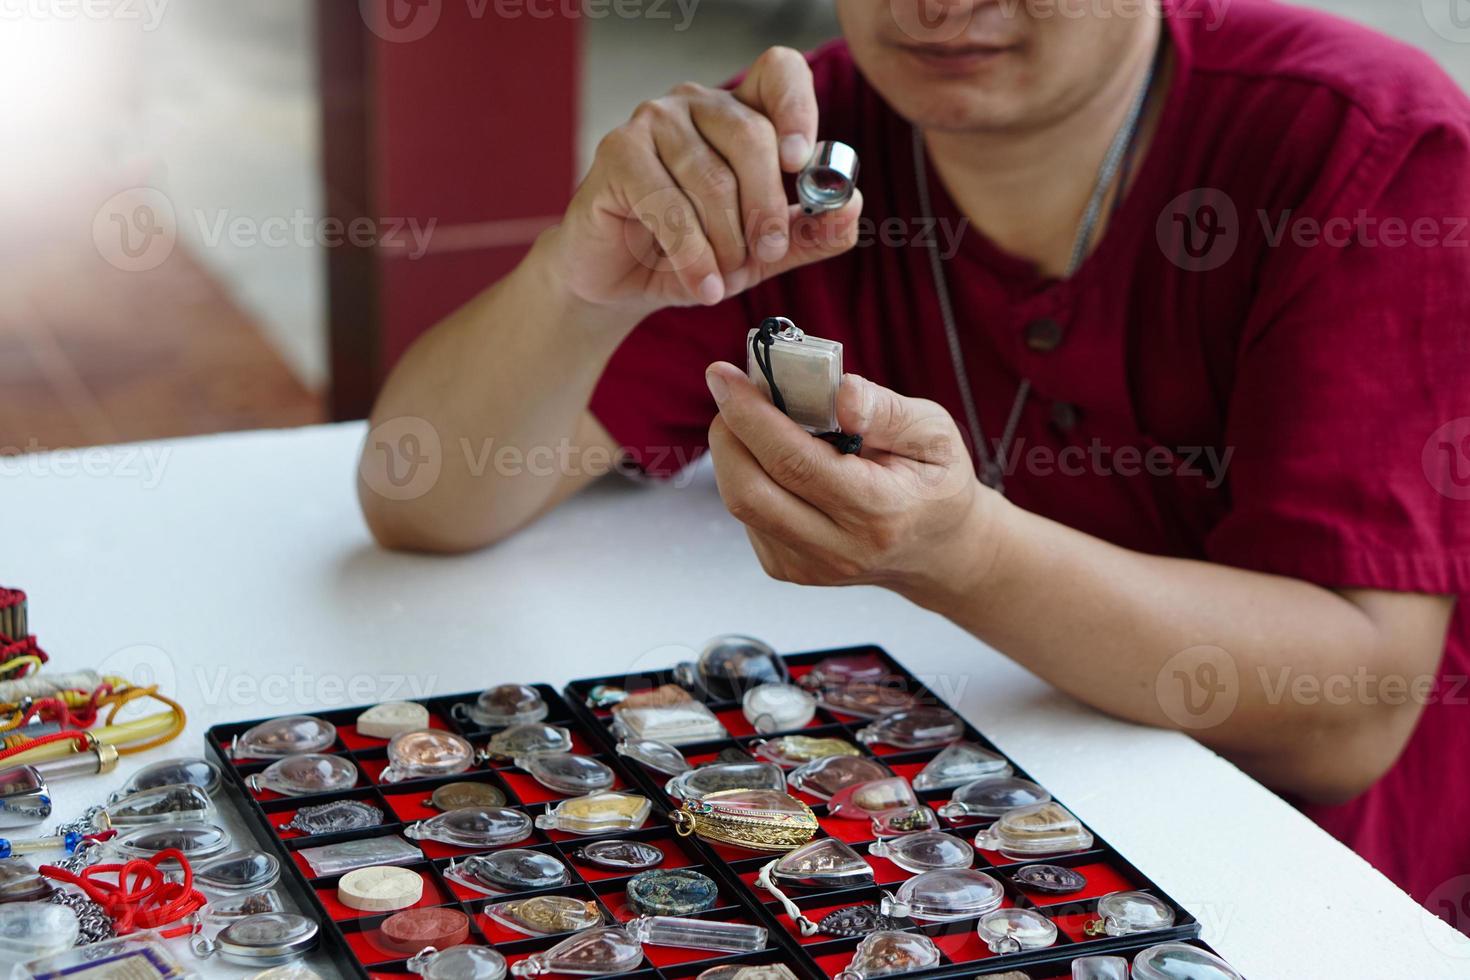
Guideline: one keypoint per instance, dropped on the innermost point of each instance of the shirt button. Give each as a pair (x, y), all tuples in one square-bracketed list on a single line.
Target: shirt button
[(1044, 335), (1064, 416)]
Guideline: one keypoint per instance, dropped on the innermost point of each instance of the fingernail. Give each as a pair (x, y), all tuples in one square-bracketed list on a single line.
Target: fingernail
[(711, 289), (718, 387), (795, 151), (772, 247)]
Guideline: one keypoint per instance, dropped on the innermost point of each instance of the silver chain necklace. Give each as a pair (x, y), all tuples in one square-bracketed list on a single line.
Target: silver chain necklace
[(993, 468)]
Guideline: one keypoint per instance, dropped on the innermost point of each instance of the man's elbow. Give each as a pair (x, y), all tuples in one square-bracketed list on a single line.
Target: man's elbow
[(1340, 758), (389, 533), (1336, 784), (409, 525)]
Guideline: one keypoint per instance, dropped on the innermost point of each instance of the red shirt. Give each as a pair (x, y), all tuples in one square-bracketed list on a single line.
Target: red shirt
[(1316, 341)]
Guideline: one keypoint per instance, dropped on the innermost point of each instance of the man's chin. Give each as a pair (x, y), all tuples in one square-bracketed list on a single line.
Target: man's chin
[(960, 114)]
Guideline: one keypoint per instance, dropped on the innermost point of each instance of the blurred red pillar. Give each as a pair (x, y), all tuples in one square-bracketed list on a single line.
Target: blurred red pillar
[(449, 129)]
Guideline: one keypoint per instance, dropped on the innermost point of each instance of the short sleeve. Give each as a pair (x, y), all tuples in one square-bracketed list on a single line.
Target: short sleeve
[(1349, 421), (652, 398)]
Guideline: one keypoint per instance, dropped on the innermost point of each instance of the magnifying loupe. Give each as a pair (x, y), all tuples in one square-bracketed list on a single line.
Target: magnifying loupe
[(828, 180)]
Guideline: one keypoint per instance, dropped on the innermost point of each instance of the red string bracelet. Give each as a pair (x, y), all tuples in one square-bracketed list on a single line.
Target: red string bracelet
[(55, 708), (141, 896), (14, 641)]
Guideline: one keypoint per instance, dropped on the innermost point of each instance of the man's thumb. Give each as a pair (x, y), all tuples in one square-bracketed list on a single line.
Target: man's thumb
[(888, 421)]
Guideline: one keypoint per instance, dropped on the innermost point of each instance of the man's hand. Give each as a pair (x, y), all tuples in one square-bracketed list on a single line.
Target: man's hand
[(684, 203), (907, 513)]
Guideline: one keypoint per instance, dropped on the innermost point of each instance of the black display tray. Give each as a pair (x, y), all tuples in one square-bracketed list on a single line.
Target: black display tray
[(965, 954), (347, 934)]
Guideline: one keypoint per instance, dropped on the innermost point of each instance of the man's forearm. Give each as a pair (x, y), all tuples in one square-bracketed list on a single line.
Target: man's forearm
[(503, 386), (1217, 651), (683, 205)]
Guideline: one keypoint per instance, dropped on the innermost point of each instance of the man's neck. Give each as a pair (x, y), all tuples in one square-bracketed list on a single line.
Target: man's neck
[(1027, 191)]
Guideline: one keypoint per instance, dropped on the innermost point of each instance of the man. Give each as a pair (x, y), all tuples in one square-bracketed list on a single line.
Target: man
[(1190, 286)]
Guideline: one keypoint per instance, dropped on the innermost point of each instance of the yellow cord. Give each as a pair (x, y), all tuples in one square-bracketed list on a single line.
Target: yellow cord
[(41, 753), (160, 729), (27, 660), (129, 737)]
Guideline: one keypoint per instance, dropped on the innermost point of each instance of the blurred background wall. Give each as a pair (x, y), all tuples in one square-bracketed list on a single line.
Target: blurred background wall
[(167, 195)]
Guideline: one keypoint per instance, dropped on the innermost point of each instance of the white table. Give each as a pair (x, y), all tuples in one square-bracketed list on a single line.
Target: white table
[(237, 569)]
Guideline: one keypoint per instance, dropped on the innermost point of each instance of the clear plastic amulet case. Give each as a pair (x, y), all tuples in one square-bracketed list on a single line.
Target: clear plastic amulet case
[(807, 371)]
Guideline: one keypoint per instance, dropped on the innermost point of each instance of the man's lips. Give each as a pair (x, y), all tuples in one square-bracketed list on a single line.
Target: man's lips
[(956, 50), (955, 56)]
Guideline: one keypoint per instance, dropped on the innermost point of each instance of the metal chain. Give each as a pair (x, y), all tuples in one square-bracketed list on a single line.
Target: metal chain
[(993, 469), (85, 824), (96, 924)]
